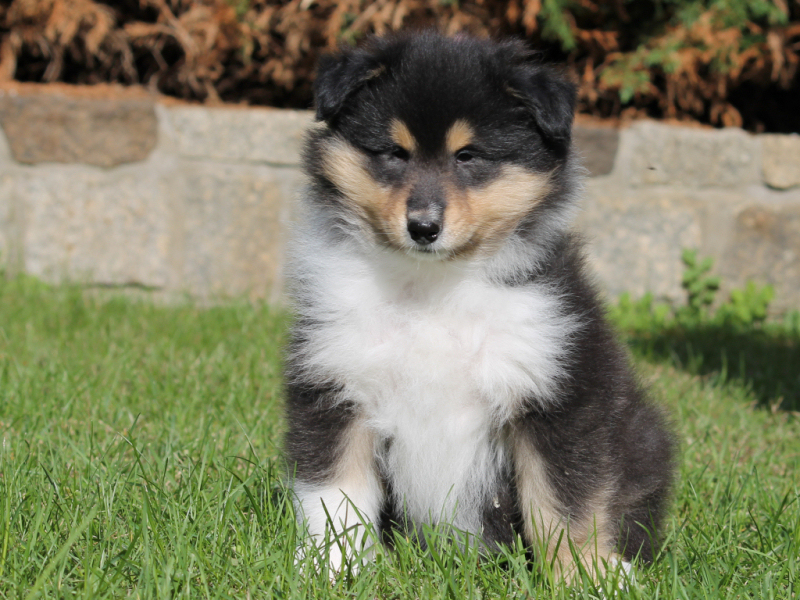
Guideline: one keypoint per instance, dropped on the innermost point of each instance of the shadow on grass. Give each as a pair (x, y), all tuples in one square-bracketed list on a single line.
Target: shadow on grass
[(768, 362)]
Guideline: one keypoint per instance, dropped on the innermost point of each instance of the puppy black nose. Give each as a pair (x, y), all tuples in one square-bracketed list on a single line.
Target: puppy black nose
[(423, 232)]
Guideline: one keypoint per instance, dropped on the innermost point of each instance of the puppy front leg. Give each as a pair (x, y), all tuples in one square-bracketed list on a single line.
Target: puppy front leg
[(556, 537), (338, 508)]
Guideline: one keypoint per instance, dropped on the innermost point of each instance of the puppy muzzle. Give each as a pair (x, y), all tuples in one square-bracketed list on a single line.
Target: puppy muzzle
[(425, 212)]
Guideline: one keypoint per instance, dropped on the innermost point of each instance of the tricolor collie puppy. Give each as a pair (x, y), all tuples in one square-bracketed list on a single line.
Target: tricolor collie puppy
[(450, 363)]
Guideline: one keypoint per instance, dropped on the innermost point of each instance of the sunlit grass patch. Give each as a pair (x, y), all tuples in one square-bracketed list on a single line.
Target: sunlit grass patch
[(140, 457)]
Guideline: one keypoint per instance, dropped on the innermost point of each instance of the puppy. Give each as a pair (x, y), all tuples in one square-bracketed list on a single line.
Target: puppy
[(449, 363)]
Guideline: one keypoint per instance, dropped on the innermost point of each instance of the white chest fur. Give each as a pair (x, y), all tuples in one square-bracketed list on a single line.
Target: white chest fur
[(438, 359)]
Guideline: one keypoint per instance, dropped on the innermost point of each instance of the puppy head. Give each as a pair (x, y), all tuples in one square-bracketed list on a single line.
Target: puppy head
[(441, 146)]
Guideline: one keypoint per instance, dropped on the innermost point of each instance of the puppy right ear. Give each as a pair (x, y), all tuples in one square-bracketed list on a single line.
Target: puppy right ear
[(546, 92), (550, 97), (339, 76)]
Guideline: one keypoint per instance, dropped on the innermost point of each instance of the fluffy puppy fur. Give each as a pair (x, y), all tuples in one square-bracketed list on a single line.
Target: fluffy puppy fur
[(450, 363)]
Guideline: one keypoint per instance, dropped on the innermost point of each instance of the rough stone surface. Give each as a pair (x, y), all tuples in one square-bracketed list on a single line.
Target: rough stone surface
[(7, 197), (5, 151), (781, 160), (88, 225), (658, 154), (635, 239), (235, 227), (206, 212), (43, 128), (597, 147), (765, 247), (10, 224), (242, 135)]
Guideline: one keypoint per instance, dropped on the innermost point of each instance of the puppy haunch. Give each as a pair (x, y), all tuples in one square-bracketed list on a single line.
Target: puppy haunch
[(450, 364)]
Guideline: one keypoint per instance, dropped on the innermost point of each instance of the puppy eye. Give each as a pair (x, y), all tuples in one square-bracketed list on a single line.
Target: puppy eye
[(463, 156), (399, 153)]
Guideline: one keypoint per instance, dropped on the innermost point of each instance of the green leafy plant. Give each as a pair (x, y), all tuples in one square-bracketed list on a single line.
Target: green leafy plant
[(629, 313), (701, 288), (791, 322), (730, 340), (744, 308)]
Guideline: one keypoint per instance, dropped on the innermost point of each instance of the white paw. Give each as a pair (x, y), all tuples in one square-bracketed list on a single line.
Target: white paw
[(339, 534), (336, 552), (622, 570), (623, 565)]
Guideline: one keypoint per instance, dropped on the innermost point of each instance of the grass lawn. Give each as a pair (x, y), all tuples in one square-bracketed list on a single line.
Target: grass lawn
[(140, 456)]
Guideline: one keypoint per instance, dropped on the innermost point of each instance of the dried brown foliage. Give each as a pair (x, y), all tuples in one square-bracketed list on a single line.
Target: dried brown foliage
[(51, 28), (692, 71), (264, 51)]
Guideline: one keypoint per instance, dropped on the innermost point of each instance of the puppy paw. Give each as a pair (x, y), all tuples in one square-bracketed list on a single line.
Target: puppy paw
[(335, 554), (620, 571)]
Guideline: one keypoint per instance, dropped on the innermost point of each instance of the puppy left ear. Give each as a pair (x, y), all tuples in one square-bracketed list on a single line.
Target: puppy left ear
[(339, 76), (550, 97)]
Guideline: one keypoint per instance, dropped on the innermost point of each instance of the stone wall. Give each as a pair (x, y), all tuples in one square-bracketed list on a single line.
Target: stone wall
[(129, 190)]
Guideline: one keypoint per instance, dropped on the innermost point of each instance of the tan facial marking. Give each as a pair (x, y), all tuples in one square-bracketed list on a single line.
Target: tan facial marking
[(402, 136), (379, 206), (458, 136), (547, 530), (482, 218), (476, 220)]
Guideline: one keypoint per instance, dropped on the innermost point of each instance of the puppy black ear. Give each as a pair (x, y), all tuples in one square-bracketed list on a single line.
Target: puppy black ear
[(550, 97), (339, 75)]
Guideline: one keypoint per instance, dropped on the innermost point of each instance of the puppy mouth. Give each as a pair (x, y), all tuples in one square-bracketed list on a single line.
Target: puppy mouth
[(431, 249), (437, 250), (428, 254)]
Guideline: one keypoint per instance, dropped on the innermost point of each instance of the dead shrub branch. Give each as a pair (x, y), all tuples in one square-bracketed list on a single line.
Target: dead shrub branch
[(707, 61)]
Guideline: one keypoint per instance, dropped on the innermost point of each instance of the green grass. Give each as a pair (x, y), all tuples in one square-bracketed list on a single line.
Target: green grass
[(140, 456)]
